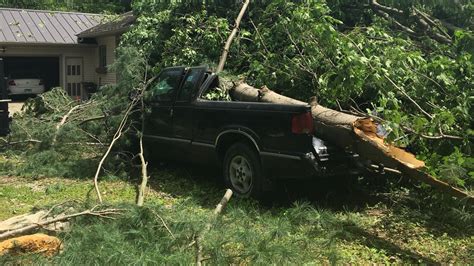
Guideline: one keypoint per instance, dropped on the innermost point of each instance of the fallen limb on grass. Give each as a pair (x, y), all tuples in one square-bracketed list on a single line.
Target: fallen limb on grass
[(37, 243), (26, 224), (198, 239), (358, 134)]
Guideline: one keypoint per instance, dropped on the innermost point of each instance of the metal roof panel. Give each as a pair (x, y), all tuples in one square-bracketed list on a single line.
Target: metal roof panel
[(33, 29), (39, 26), (6, 30), (13, 24)]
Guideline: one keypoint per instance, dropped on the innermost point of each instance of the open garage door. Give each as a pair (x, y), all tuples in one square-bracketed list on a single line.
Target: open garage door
[(45, 68)]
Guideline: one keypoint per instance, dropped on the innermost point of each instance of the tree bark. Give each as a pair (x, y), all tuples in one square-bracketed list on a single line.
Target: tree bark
[(231, 37), (355, 133)]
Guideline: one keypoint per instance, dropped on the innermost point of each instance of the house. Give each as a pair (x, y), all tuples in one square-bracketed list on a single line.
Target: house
[(66, 49)]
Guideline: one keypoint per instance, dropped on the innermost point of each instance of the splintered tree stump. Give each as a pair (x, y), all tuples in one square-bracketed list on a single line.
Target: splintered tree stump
[(354, 133)]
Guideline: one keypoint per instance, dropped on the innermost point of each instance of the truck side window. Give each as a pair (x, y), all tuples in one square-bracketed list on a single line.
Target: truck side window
[(166, 85), (190, 84)]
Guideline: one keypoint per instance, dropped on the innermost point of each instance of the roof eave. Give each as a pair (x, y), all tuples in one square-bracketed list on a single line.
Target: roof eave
[(103, 33), (45, 44)]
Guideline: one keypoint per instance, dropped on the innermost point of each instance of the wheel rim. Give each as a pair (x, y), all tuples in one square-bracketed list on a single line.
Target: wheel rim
[(240, 174)]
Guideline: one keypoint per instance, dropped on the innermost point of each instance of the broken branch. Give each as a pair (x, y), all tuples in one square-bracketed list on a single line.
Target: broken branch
[(424, 24), (218, 210), (386, 9), (118, 134), (220, 67), (107, 213), (63, 121)]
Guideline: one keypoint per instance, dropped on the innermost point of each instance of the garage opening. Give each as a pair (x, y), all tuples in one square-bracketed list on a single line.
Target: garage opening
[(45, 68)]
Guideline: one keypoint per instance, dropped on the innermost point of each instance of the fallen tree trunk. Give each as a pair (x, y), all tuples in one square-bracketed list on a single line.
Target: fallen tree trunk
[(358, 134), (349, 132)]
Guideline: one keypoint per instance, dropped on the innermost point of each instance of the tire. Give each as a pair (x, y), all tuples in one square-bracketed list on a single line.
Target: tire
[(243, 171)]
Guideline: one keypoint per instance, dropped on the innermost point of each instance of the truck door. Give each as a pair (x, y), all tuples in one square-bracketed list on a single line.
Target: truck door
[(159, 99), (183, 110)]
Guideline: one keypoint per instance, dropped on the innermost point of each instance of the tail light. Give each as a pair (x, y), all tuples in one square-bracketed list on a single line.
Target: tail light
[(41, 82), (11, 83), (302, 123)]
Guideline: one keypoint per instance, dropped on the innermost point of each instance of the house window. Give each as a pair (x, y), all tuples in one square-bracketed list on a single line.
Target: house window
[(102, 56)]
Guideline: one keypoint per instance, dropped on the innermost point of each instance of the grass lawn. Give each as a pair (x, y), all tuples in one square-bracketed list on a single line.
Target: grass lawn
[(310, 223)]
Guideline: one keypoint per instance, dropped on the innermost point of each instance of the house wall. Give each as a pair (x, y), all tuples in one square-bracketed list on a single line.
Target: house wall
[(89, 54), (62, 52), (111, 43)]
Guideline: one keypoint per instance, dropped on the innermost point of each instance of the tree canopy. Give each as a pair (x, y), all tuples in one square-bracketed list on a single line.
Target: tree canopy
[(88, 6)]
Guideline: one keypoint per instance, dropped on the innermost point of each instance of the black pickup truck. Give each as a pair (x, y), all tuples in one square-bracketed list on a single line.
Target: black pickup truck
[(254, 143)]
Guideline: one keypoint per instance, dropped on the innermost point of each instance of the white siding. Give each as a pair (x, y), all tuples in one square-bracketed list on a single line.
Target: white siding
[(110, 77), (89, 53), (62, 52)]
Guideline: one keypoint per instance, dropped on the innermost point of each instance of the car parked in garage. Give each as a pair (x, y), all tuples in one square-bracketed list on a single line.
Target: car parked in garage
[(25, 84)]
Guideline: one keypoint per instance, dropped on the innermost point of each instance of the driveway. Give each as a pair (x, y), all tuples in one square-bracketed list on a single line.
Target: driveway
[(15, 106)]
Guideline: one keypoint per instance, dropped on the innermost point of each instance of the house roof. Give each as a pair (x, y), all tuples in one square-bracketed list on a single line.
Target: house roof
[(24, 26), (116, 26)]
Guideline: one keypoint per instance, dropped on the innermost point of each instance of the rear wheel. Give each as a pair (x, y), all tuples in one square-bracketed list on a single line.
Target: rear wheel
[(243, 171)]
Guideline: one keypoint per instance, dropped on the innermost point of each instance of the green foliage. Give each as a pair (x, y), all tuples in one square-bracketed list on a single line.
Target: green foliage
[(217, 94), (299, 48), (458, 13), (421, 89), (89, 6)]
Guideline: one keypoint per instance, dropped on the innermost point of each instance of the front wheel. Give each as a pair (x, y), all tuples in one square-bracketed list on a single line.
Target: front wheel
[(243, 171)]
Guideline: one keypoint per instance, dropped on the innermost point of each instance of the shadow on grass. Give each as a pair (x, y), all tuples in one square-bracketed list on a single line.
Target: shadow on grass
[(201, 183), (337, 194), (189, 182), (371, 240)]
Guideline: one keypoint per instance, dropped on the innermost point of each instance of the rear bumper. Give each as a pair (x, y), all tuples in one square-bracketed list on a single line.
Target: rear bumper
[(284, 166), (25, 90), (317, 163)]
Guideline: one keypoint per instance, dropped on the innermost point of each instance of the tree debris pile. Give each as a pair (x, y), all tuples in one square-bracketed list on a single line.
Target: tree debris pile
[(55, 135), (21, 234), (347, 56)]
